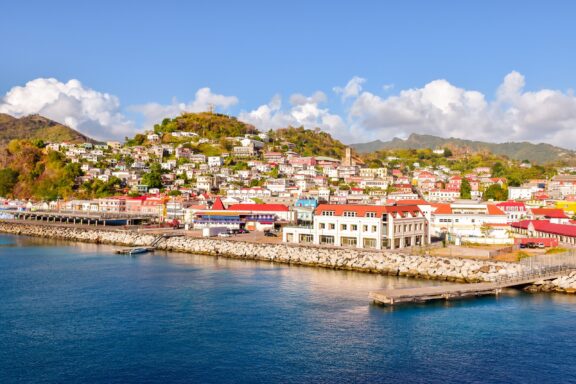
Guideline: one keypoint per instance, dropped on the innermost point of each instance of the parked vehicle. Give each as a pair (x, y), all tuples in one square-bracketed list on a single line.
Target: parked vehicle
[(270, 234), (224, 234), (213, 231), (540, 245), (531, 245), (243, 230), (523, 245)]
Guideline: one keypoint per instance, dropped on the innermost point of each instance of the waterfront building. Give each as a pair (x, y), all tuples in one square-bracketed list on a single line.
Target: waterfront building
[(363, 226), (468, 219)]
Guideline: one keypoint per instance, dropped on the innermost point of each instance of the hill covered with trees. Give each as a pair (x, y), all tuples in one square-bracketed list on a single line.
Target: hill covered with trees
[(36, 127)]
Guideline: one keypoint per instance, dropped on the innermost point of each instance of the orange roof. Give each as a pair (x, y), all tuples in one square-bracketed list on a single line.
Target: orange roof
[(442, 209), (549, 212), (494, 210)]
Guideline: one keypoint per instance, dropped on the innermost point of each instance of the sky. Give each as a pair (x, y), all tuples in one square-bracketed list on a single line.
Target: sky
[(361, 70)]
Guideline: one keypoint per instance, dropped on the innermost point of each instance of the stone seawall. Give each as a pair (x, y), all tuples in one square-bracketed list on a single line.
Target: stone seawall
[(563, 284), (384, 262)]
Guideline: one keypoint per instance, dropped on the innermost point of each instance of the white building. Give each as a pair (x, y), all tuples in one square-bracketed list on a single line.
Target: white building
[(363, 226)]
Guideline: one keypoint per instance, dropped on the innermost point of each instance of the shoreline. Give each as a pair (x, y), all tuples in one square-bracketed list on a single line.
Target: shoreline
[(381, 262)]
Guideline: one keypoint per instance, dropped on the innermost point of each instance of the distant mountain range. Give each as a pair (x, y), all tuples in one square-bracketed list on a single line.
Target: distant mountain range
[(38, 127), (537, 153)]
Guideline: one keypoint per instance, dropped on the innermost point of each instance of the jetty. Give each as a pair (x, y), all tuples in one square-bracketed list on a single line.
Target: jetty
[(459, 291), (151, 248)]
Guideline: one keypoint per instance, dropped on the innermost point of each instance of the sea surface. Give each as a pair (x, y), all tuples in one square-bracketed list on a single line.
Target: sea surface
[(78, 313)]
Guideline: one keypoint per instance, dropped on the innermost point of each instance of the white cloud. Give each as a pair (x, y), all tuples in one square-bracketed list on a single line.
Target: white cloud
[(91, 112), (351, 89), (303, 111), (204, 100), (443, 109)]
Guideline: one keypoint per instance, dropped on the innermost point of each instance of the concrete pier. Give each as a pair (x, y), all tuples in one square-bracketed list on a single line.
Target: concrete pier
[(459, 291)]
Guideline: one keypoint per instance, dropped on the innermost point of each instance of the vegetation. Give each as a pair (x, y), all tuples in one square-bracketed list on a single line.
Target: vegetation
[(206, 124), (28, 171), (153, 179), (36, 127), (537, 153), (465, 189), (495, 192), (309, 142)]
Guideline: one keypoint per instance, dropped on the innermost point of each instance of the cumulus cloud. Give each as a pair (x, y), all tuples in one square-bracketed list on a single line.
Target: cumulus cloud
[(91, 112), (203, 101), (443, 109), (351, 89), (302, 111)]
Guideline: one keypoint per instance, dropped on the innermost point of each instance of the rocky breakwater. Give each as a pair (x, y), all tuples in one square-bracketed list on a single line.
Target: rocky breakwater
[(564, 284), (87, 235), (384, 262)]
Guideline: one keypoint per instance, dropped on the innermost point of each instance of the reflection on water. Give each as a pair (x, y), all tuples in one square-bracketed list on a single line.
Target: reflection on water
[(73, 312)]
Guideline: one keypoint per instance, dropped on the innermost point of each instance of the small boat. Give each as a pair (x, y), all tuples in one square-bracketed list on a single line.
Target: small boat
[(135, 251)]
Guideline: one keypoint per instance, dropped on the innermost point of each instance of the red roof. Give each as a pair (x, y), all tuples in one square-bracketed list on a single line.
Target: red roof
[(510, 204), (547, 227), (412, 202), (362, 210), (552, 213), (258, 207), (218, 205)]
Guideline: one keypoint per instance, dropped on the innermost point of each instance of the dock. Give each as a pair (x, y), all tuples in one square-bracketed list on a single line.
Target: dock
[(395, 296)]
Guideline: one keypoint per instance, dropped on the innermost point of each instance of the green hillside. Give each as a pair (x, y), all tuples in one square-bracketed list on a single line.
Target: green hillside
[(310, 142), (537, 153), (36, 127), (206, 124)]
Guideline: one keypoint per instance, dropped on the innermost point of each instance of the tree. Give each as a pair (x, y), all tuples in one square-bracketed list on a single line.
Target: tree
[(153, 179), (498, 170), (495, 192), (465, 189), (8, 179), (447, 152), (485, 229)]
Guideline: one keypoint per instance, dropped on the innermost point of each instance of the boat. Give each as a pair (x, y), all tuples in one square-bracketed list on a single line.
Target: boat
[(135, 251)]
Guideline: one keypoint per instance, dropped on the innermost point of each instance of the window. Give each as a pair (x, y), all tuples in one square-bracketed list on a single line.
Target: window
[(306, 238), (374, 228), (354, 227), (370, 214), (349, 214), (343, 227), (349, 241), (327, 213), (365, 228), (332, 226), (369, 243), (322, 226), (326, 239)]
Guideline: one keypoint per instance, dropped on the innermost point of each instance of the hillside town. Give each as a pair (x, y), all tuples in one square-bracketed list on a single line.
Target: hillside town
[(253, 182)]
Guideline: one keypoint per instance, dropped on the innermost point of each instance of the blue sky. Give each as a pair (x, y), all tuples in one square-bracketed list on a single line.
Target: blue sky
[(142, 52)]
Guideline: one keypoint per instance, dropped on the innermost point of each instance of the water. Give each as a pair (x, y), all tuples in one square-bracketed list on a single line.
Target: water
[(79, 313)]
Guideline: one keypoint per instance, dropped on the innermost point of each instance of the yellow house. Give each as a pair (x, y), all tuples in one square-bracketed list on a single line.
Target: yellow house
[(569, 207)]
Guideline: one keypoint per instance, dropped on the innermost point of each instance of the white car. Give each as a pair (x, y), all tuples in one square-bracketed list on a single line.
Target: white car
[(224, 234)]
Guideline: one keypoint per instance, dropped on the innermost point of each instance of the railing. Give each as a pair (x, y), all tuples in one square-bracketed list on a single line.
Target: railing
[(536, 273)]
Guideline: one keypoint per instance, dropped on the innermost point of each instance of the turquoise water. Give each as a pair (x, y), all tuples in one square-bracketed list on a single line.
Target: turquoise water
[(80, 313)]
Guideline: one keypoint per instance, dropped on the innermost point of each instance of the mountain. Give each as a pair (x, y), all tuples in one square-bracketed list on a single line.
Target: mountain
[(37, 127), (537, 153)]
